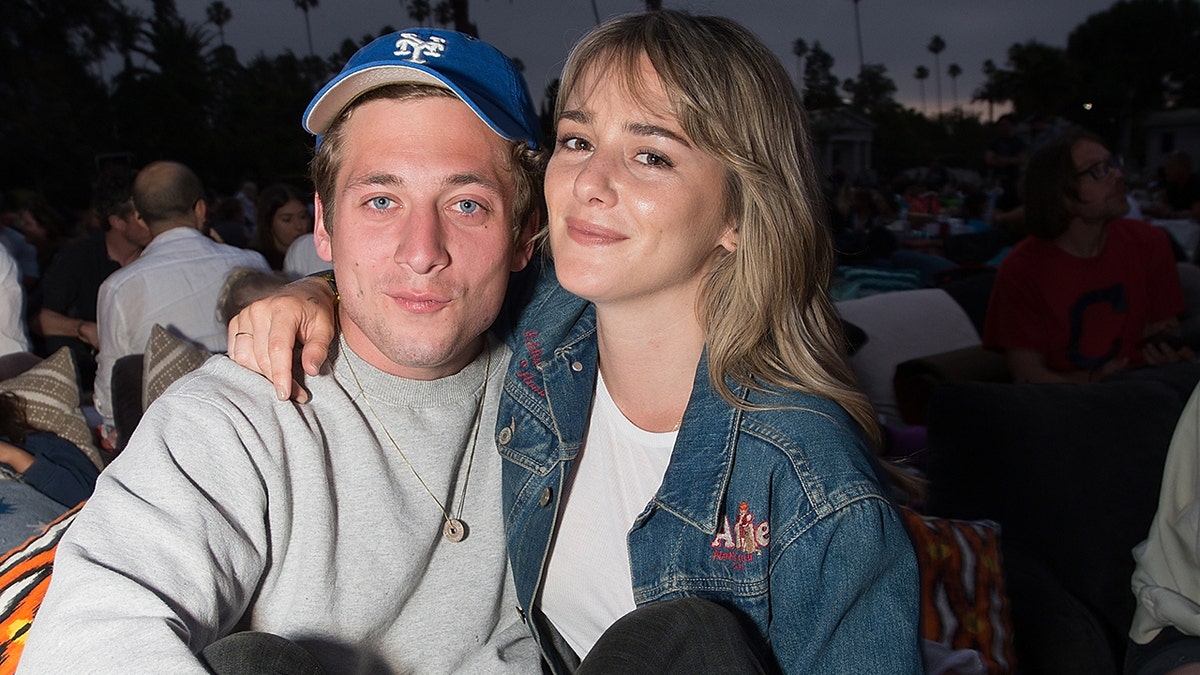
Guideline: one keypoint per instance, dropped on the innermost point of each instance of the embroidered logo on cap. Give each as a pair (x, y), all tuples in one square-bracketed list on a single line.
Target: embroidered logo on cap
[(412, 46), (746, 540)]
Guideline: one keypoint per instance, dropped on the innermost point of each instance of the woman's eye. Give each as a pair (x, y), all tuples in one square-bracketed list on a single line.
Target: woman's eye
[(573, 143), (651, 159)]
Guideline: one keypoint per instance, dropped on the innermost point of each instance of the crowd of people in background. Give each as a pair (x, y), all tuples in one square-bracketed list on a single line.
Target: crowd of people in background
[(55, 259), (929, 219), (97, 282), (1053, 214)]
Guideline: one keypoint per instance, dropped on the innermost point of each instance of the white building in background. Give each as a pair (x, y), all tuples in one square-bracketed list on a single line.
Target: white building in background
[(1169, 131)]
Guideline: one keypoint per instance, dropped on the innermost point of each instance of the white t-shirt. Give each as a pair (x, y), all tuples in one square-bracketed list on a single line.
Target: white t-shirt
[(619, 469), (12, 307), (302, 259)]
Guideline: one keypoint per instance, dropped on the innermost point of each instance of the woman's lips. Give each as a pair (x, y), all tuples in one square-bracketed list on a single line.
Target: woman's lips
[(591, 234)]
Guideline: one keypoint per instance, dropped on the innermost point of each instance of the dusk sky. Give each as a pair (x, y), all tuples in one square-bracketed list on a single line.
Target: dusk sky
[(540, 32)]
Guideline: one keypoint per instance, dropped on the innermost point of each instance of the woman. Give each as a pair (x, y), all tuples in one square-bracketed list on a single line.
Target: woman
[(678, 418), (50, 464), (281, 216)]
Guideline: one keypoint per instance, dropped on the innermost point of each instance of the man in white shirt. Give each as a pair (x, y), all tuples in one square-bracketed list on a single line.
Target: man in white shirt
[(12, 306), (176, 281)]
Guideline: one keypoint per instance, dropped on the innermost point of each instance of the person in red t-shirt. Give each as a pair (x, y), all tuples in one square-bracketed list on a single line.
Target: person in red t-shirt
[(1090, 293)]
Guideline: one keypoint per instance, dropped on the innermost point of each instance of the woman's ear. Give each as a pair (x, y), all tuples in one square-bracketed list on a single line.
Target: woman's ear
[(729, 240)]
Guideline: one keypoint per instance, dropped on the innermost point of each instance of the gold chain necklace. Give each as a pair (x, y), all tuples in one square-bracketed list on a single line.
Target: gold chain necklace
[(454, 529)]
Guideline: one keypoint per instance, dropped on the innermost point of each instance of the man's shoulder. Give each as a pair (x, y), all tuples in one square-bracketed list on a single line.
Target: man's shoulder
[(231, 257), (219, 379), (113, 282), (222, 382), (1136, 231)]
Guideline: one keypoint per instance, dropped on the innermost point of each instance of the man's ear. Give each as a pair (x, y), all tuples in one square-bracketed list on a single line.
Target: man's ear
[(523, 251), (321, 237), (200, 210)]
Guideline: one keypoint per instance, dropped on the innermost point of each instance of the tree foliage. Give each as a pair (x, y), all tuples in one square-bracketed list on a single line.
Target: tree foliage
[(873, 91), (51, 90), (219, 14), (1135, 57), (820, 84), (174, 96)]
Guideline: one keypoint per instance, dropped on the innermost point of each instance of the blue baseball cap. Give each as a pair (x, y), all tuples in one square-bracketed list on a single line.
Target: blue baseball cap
[(475, 71)]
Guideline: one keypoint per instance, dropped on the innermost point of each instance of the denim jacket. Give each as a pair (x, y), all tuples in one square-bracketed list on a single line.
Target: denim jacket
[(777, 514)]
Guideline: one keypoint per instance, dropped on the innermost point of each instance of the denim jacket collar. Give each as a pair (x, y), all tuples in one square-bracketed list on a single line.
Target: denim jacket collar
[(695, 483)]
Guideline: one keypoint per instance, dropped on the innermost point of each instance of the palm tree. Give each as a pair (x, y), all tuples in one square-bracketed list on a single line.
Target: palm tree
[(936, 45), (799, 48), (219, 14), (988, 92), (304, 6), (858, 35), (922, 74), (953, 70), (419, 11)]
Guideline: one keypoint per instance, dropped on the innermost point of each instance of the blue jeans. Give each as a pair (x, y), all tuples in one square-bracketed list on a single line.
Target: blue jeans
[(24, 513)]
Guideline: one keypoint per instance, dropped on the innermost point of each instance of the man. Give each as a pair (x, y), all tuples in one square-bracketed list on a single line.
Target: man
[(70, 286), (174, 283), (1090, 293), (13, 337), (1181, 190), (365, 527), (1005, 155), (1165, 633)]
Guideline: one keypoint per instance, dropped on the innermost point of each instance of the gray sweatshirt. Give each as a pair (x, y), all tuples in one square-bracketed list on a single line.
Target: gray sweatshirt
[(231, 510)]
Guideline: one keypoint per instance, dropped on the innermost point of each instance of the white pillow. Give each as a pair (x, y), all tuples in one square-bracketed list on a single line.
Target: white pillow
[(903, 325)]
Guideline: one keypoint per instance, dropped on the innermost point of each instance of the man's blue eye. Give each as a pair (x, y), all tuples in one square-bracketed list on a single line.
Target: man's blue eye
[(380, 202), (468, 206)]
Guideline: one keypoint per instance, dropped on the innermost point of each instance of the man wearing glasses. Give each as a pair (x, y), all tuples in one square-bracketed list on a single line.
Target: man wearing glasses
[(1090, 292)]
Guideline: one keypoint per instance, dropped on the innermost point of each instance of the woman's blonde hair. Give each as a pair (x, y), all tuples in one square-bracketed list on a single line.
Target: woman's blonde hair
[(767, 315)]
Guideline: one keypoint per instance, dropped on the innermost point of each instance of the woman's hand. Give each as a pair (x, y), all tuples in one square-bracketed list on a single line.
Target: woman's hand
[(263, 335)]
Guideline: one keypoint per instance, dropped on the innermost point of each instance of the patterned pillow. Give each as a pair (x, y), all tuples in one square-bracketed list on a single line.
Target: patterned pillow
[(24, 577), (963, 604), (168, 358), (50, 392)]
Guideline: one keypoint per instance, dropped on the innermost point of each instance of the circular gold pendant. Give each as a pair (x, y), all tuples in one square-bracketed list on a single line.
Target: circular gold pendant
[(454, 530)]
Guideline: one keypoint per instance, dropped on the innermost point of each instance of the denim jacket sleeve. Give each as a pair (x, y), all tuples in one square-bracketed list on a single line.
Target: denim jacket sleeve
[(850, 610)]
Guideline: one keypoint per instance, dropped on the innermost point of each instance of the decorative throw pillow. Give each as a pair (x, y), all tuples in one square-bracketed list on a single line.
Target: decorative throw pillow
[(963, 604), (50, 394), (168, 358), (24, 576)]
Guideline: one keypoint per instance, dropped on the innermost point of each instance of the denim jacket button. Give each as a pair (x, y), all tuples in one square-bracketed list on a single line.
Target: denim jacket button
[(577, 367), (545, 498), (504, 436)]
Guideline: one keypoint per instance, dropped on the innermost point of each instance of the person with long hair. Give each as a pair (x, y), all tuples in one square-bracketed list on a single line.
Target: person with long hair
[(679, 420), (281, 216), (43, 460)]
